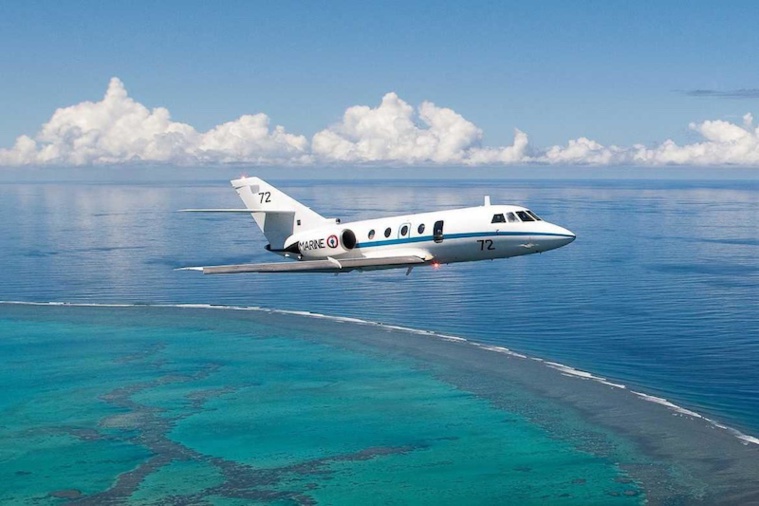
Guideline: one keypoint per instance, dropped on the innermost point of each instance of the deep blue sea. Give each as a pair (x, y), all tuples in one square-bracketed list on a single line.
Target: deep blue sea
[(659, 292)]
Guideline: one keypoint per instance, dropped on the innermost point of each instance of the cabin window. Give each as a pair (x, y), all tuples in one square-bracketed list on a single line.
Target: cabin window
[(388, 232), (404, 230), (512, 218), (524, 216), (533, 215), (371, 234), (420, 229), (498, 218)]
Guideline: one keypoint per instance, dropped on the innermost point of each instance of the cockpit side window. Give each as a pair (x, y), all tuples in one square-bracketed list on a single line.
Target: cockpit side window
[(533, 215), (511, 217), (498, 218), (524, 216)]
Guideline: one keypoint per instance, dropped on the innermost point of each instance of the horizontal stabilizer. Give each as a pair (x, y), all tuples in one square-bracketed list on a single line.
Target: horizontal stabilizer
[(328, 265)]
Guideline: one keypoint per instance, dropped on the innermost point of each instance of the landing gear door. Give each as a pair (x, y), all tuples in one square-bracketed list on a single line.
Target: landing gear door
[(437, 231)]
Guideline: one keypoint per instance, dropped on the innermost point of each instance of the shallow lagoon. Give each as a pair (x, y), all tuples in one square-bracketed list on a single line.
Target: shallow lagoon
[(156, 405)]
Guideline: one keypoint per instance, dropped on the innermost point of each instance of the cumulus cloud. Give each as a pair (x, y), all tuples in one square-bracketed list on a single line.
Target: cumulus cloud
[(724, 143), (118, 129), (516, 153), (395, 132)]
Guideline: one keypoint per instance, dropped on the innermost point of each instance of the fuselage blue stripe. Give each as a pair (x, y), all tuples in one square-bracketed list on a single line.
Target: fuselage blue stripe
[(426, 238)]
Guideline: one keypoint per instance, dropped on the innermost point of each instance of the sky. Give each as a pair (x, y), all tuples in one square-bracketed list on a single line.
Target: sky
[(351, 83)]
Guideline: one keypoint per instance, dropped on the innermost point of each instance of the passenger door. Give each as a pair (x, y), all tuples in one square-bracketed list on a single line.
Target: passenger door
[(437, 231)]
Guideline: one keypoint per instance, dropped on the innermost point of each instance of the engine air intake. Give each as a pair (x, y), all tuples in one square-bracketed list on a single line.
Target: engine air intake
[(349, 239)]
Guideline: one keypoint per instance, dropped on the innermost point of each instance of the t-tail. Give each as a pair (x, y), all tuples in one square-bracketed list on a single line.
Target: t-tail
[(277, 215)]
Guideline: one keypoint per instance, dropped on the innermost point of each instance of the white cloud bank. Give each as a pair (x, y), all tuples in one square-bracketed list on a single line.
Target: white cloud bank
[(120, 130)]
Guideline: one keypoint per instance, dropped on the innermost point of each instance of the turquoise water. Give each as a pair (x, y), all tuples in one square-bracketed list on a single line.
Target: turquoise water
[(144, 405)]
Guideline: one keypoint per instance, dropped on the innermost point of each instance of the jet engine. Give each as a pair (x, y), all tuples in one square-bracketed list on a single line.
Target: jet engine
[(322, 243)]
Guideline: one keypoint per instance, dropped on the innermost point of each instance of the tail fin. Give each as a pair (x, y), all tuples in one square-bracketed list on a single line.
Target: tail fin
[(277, 215)]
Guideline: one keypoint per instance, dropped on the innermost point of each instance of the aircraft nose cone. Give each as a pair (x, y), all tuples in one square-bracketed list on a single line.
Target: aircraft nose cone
[(564, 236), (569, 236)]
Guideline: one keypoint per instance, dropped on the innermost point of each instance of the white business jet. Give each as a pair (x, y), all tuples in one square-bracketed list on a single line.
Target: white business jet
[(321, 244)]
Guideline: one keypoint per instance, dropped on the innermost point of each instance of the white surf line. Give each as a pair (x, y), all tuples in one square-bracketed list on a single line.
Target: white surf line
[(670, 405), (498, 349), (683, 411), (566, 370), (577, 373), (72, 304)]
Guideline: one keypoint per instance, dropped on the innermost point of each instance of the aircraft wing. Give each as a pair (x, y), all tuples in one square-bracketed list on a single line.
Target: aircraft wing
[(328, 265)]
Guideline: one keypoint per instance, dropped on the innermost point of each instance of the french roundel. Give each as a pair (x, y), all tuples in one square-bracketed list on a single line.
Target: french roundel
[(332, 241)]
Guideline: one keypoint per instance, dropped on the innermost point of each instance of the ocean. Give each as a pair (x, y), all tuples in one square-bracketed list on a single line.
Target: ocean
[(623, 367)]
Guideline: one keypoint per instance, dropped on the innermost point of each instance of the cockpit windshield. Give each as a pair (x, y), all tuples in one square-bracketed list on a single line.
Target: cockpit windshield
[(528, 215), (525, 215)]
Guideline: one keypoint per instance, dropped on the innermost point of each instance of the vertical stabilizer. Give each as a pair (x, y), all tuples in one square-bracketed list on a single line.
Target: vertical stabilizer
[(277, 215)]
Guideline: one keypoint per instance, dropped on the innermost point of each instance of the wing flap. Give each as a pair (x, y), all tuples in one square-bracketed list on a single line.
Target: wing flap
[(328, 265)]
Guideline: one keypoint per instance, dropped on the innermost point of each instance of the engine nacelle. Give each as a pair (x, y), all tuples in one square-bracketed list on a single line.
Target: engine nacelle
[(322, 243)]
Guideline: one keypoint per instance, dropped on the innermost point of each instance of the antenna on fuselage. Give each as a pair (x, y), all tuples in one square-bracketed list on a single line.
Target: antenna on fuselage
[(487, 200)]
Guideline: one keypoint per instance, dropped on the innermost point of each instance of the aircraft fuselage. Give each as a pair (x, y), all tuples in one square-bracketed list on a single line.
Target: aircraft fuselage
[(457, 235)]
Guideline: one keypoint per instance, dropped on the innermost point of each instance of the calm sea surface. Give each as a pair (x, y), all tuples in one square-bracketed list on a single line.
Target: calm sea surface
[(659, 291)]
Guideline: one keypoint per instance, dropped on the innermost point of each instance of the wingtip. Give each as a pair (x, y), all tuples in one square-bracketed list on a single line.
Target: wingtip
[(189, 269)]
